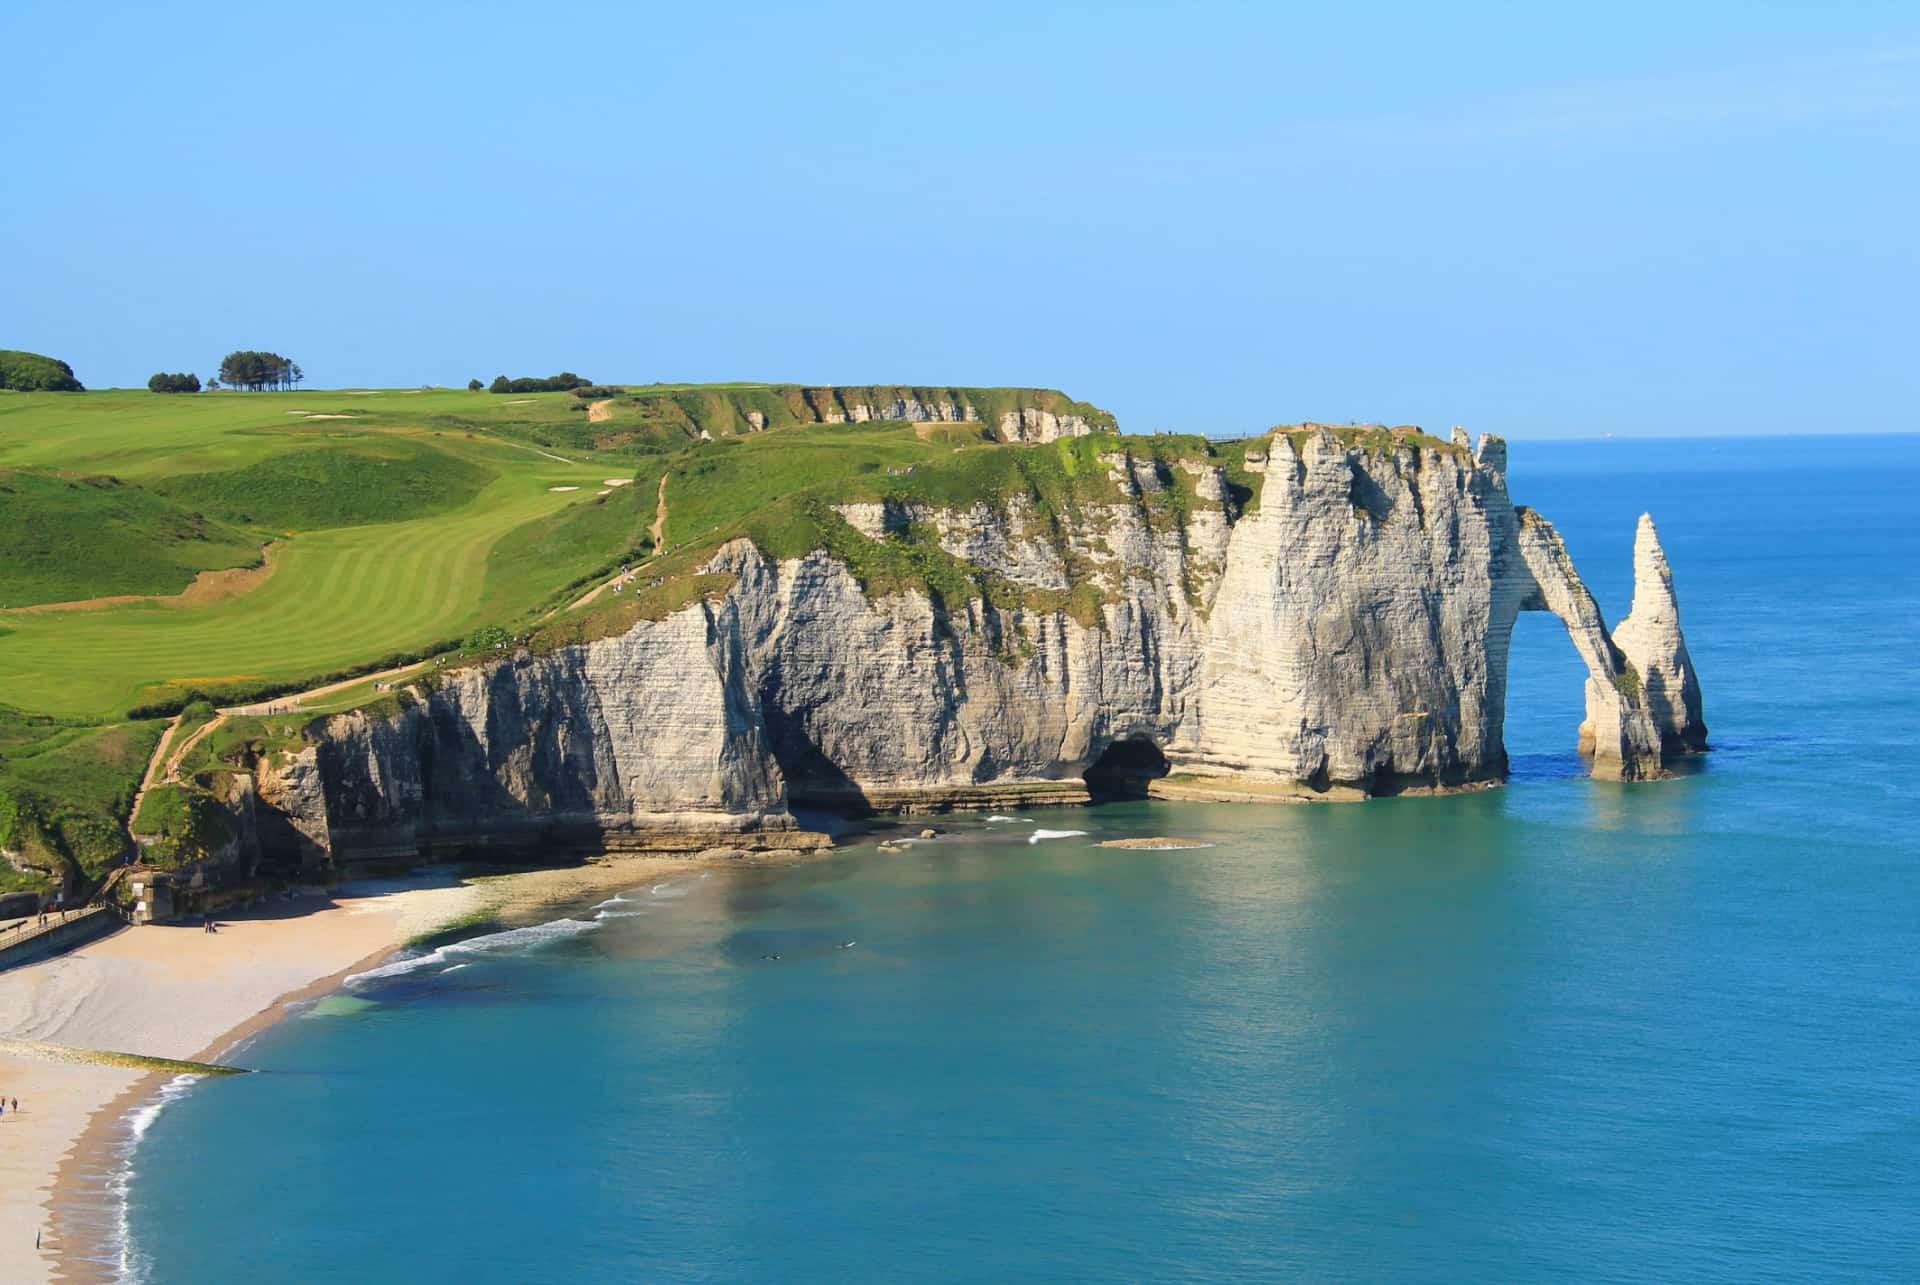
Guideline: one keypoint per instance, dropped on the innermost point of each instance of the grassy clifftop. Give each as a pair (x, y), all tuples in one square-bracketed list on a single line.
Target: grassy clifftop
[(401, 524), (656, 419), (437, 523)]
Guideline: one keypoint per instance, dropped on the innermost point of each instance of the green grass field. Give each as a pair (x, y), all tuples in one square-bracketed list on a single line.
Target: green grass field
[(70, 536), (346, 586)]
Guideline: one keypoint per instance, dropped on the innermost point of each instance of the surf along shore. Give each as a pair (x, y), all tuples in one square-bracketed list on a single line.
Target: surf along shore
[(178, 992)]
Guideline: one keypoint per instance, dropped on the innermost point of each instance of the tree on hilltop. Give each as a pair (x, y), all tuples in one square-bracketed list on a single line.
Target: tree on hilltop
[(474, 385), (165, 383), (255, 371), (559, 383), (29, 372)]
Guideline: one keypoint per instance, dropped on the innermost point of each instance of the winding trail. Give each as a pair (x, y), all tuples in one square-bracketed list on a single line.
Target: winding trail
[(152, 777), (655, 533), (179, 756), (164, 767), (522, 446), (291, 703), (658, 530)]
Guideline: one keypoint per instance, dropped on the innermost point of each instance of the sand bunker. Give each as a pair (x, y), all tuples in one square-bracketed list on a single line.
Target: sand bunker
[(563, 488), (600, 412), (616, 481)]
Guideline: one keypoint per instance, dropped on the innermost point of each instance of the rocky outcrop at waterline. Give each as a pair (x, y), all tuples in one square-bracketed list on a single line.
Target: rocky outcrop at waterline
[(1321, 617), (1651, 640)]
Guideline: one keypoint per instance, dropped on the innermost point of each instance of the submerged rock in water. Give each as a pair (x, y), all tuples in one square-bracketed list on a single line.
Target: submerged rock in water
[(1156, 844)]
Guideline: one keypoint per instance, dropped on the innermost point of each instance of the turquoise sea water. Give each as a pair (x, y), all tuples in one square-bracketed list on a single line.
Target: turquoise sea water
[(1559, 1030)]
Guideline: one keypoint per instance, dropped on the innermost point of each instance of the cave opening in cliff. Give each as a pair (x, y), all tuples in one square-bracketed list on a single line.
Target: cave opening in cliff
[(1126, 770)]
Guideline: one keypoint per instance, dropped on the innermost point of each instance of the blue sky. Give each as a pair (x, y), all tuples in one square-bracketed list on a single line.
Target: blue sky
[(1540, 220)]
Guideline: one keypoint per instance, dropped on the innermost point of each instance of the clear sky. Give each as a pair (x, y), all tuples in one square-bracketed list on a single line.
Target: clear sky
[(1536, 219)]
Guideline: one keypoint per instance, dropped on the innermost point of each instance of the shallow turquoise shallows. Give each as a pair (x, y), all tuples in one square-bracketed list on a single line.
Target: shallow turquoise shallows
[(1561, 1030)]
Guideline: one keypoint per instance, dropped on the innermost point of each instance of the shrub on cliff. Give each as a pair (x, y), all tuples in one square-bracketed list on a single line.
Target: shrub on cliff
[(29, 372)]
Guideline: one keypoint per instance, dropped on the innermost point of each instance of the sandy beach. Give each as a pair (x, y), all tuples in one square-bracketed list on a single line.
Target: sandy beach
[(176, 991)]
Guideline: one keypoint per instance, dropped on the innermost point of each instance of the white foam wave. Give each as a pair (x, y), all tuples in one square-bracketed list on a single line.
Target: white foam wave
[(1021, 820), (1038, 835), (492, 944), (621, 914), (134, 1266), (667, 891), (618, 900)]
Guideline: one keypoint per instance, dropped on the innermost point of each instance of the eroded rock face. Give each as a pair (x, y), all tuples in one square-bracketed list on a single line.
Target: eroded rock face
[(910, 409), (1651, 640), (1342, 634), (1033, 425), (655, 733)]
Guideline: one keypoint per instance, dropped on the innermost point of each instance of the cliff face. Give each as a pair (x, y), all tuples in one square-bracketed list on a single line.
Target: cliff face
[(1342, 634), (1011, 414)]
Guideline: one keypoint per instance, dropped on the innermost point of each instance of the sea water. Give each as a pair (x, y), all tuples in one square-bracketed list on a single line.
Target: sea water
[(1560, 1030)]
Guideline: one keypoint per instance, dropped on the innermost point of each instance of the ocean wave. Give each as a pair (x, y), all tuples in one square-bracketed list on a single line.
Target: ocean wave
[(619, 899), (1038, 835), (135, 1267), (667, 891), (512, 939), (997, 817), (621, 914)]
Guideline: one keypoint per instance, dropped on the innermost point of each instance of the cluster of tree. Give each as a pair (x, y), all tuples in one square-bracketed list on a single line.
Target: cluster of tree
[(559, 383), (29, 372), (165, 383), (474, 385), (596, 392), (257, 370)]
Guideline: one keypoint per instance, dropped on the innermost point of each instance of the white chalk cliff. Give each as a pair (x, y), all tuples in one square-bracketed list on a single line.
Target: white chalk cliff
[(1340, 632)]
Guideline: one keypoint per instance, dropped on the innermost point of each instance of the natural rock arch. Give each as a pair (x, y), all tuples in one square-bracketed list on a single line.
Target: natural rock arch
[(1643, 697)]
